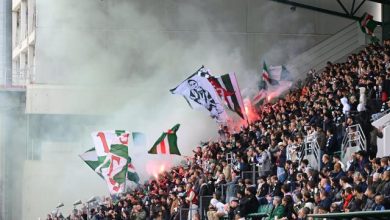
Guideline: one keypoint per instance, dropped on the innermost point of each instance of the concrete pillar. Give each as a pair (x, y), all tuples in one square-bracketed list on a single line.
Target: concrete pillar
[(30, 65), (21, 74), (385, 22), (30, 15), (14, 29), (23, 19), (2, 166), (8, 40)]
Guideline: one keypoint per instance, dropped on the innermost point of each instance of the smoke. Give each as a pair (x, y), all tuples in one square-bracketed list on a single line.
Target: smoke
[(134, 52)]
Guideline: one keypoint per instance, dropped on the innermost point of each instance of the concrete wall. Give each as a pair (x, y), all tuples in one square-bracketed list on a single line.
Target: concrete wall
[(12, 153), (5, 40)]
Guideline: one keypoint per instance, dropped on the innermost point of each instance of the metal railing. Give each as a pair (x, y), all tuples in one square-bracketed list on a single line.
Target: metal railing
[(188, 211), (12, 78), (230, 158), (379, 115), (253, 173), (354, 137), (311, 151), (349, 215)]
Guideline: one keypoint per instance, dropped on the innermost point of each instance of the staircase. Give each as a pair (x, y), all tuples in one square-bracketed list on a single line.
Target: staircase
[(311, 152), (354, 140)]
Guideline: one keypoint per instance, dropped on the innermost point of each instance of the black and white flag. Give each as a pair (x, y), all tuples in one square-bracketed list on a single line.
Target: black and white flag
[(200, 94)]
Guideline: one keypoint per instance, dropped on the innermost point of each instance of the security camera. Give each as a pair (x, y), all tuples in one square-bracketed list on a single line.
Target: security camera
[(60, 205), (78, 202)]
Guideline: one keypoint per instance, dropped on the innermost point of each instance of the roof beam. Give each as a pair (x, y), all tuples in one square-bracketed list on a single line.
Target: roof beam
[(323, 10)]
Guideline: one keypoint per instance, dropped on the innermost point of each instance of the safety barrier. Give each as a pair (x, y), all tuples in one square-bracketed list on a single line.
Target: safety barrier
[(349, 215), (188, 211), (311, 151), (354, 140)]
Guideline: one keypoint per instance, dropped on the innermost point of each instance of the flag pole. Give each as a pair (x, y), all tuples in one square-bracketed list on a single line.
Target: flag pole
[(240, 100)]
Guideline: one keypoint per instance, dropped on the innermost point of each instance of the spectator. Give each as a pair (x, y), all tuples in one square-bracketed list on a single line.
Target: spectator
[(278, 210), (248, 204), (370, 201), (379, 203), (326, 163)]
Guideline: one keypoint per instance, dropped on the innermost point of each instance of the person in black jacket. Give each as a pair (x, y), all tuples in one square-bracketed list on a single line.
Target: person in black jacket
[(288, 204), (262, 189), (249, 203), (331, 143), (276, 187)]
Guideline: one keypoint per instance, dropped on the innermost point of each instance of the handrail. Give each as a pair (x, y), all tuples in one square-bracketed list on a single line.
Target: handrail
[(188, 209), (229, 158), (349, 215), (311, 147), (354, 137), (379, 115)]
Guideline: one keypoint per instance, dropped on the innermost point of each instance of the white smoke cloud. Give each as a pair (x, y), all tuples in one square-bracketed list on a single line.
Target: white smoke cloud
[(144, 47)]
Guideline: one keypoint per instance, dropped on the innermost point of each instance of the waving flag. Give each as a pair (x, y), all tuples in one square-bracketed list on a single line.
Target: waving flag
[(274, 81), (200, 94), (268, 77), (367, 24), (228, 90), (93, 161), (166, 143), (104, 139), (111, 149)]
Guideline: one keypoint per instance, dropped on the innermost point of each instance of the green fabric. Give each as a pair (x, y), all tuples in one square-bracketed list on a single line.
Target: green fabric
[(367, 24), (93, 164), (172, 141), (121, 176), (265, 208), (133, 177), (153, 150), (120, 150), (119, 132), (278, 211)]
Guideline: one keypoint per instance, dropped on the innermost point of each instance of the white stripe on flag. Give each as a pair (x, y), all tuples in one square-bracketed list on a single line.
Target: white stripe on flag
[(163, 145)]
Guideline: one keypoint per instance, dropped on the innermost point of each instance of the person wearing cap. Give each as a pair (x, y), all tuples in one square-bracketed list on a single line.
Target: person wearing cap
[(232, 207)]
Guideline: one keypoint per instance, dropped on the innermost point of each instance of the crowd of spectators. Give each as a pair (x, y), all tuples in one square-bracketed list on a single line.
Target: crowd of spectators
[(284, 186)]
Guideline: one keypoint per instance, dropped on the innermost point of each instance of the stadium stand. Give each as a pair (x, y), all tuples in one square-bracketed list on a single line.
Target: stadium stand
[(263, 172)]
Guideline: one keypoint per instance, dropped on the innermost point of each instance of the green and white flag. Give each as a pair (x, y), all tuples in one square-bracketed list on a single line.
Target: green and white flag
[(166, 143), (115, 174), (110, 158), (93, 161), (103, 140), (367, 24)]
